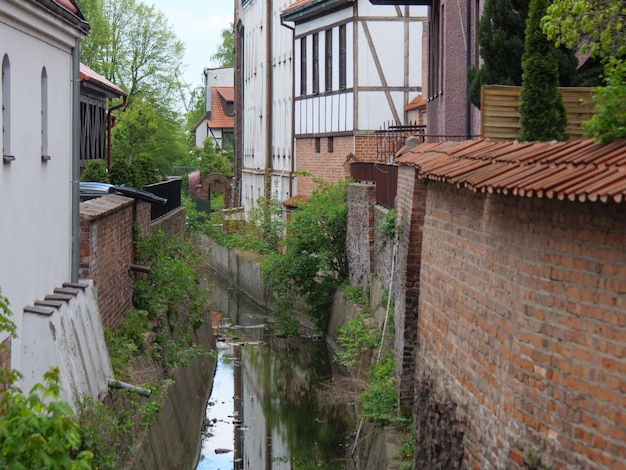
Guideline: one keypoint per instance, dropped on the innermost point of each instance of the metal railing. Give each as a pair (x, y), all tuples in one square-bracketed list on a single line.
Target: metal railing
[(169, 189)]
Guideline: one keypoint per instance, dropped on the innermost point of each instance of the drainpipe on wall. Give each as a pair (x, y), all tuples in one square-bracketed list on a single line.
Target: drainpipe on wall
[(75, 160), (468, 63), (268, 104), (293, 106), (110, 127)]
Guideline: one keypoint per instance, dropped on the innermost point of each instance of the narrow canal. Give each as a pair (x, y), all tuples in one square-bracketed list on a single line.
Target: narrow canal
[(264, 411)]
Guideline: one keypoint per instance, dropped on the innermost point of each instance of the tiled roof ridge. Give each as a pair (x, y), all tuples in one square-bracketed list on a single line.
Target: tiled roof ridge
[(577, 170)]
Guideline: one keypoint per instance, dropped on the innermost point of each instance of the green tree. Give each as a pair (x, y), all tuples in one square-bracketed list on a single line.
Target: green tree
[(96, 170), (225, 55), (542, 114), (501, 40), (314, 261), (132, 45), (597, 29), (37, 430), (143, 129)]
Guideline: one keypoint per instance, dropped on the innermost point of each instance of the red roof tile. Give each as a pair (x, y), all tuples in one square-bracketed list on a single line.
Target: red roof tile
[(577, 170), (228, 93), (88, 74), (219, 118), (68, 5), (416, 103), (296, 4)]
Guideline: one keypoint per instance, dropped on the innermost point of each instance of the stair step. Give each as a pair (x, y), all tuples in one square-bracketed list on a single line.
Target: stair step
[(39, 310)]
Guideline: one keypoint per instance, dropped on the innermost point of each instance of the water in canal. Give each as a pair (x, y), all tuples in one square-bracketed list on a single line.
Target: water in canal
[(264, 412)]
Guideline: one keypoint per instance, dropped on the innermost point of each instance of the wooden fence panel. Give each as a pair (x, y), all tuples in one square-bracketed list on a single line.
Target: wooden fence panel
[(499, 111)]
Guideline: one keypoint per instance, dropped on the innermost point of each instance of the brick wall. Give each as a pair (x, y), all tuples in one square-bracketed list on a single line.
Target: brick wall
[(410, 207), (330, 166), (106, 250), (522, 330)]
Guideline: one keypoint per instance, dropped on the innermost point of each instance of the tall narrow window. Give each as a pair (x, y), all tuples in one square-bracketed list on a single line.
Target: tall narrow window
[(6, 110), (316, 63), (44, 115), (318, 145), (331, 145), (342, 57), (329, 60), (303, 66)]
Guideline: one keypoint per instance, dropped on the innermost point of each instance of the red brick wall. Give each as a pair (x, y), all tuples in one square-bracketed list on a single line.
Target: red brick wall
[(106, 250), (329, 166), (522, 326), (410, 206)]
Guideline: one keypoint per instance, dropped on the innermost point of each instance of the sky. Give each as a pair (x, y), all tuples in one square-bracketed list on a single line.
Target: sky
[(198, 24)]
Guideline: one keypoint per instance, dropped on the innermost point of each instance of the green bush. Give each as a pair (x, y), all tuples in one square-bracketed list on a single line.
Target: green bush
[(37, 430), (314, 263), (96, 170), (379, 403)]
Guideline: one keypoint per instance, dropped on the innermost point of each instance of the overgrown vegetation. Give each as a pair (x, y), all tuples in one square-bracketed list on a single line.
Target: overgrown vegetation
[(37, 430), (597, 29), (154, 337), (313, 263), (357, 341), (388, 225)]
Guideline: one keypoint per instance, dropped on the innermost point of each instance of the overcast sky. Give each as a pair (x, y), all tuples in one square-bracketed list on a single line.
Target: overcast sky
[(198, 24)]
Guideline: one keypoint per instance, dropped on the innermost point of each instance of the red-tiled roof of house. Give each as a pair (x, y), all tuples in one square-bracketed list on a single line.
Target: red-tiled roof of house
[(68, 5), (226, 92), (88, 74), (219, 118), (416, 103), (296, 4), (576, 170)]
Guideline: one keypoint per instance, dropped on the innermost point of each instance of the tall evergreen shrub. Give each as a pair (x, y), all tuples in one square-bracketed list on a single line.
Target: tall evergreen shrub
[(501, 40), (542, 113)]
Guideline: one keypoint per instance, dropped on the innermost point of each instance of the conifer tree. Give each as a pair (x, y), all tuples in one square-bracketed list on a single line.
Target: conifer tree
[(501, 40), (542, 113)]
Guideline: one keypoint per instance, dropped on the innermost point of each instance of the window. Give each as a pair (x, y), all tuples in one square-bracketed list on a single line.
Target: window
[(228, 140), (342, 57), (6, 110), (318, 145), (303, 66), (316, 63), (329, 60), (331, 144), (44, 115)]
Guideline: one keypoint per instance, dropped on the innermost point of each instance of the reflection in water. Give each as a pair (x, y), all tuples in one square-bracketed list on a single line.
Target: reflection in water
[(263, 412)]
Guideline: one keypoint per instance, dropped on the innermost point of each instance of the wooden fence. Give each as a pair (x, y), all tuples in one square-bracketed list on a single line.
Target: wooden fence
[(499, 111)]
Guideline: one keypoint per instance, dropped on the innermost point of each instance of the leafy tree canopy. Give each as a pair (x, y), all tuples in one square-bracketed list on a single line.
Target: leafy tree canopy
[(597, 28), (225, 55), (314, 261), (143, 130), (131, 44)]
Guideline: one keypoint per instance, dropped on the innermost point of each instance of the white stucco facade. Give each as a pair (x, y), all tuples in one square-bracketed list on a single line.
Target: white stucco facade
[(267, 110), (35, 193)]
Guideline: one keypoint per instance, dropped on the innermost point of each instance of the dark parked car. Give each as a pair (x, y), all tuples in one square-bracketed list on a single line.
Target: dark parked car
[(92, 190)]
